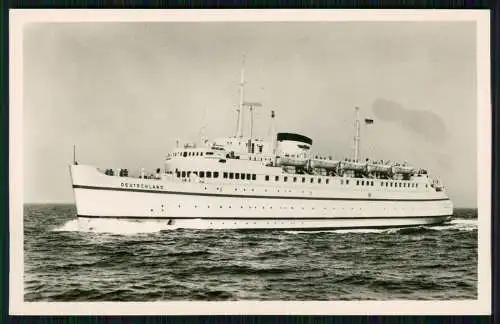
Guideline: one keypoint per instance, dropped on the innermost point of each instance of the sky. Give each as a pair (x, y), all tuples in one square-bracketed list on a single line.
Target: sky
[(123, 93)]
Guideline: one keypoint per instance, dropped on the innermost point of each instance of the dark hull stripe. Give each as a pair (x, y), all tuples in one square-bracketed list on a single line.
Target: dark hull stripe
[(264, 218), (247, 196)]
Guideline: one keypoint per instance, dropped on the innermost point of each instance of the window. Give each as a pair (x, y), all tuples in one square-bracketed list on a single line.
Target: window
[(341, 181), (303, 179), (183, 174), (231, 175), (363, 182), (201, 153), (242, 176), (209, 153), (347, 182), (209, 174), (202, 174), (312, 180), (391, 184), (327, 181), (254, 177), (184, 154), (285, 179), (294, 179), (248, 176), (188, 174), (372, 183), (319, 180), (224, 175), (237, 176), (216, 174), (277, 178), (381, 184), (267, 178), (357, 182)]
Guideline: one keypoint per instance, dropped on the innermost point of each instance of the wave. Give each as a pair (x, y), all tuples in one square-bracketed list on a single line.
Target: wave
[(115, 226), (454, 224), (69, 226), (339, 231), (458, 224), (126, 227)]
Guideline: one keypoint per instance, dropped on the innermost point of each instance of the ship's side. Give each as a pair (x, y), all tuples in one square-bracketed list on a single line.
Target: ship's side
[(260, 197)]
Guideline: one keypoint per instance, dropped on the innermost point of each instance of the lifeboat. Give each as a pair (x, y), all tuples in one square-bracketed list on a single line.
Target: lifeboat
[(292, 161), (398, 169), (354, 166), (382, 168), (327, 164)]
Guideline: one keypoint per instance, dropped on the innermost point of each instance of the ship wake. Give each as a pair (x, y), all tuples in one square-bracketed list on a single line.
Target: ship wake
[(453, 225), (126, 227)]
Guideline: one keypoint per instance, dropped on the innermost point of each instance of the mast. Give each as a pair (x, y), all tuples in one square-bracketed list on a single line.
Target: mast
[(74, 154), (251, 106), (239, 126), (273, 133), (357, 137)]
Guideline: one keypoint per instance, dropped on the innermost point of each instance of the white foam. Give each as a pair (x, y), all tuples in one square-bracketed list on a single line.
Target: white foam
[(69, 226), (459, 224), (126, 227), (340, 231), (464, 221), (114, 226)]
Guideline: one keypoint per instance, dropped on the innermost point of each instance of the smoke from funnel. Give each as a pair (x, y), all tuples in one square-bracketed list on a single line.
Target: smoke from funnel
[(422, 122)]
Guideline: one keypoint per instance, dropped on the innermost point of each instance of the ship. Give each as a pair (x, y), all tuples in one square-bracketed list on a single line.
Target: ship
[(246, 182)]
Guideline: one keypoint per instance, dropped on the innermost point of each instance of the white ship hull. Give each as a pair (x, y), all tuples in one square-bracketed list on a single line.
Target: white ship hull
[(192, 204)]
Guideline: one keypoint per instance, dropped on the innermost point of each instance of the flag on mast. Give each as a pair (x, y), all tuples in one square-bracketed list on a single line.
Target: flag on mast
[(368, 121)]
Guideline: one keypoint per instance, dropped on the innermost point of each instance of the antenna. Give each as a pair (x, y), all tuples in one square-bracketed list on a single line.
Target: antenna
[(239, 126), (357, 137)]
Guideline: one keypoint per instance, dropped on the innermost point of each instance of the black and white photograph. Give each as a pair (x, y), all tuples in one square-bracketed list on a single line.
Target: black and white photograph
[(250, 162)]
